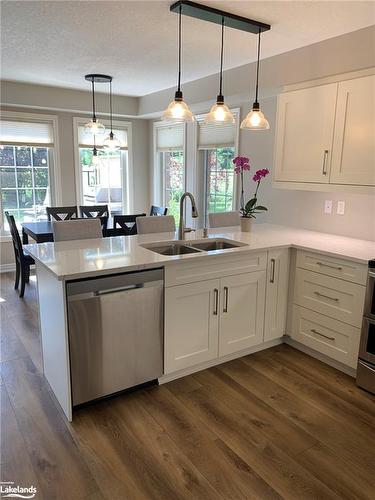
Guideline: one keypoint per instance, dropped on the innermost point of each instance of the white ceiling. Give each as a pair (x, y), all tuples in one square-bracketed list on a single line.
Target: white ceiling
[(57, 42)]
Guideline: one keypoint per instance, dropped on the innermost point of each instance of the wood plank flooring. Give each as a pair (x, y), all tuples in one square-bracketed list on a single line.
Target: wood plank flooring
[(275, 424)]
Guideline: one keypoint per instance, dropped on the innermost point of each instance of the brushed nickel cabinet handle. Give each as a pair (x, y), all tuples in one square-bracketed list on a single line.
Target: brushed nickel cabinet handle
[(216, 306), (272, 277), (339, 268), (225, 308), (326, 296), (324, 171), (321, 334)]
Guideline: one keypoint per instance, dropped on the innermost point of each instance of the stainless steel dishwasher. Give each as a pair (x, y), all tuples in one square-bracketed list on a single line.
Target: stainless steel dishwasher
[(115, 333)]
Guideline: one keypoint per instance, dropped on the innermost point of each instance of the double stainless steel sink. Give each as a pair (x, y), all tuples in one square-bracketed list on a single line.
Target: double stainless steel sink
[(187, 247)]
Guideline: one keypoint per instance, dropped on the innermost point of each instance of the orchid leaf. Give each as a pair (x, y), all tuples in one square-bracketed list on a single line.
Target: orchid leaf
[(260, 207), (250, 204)]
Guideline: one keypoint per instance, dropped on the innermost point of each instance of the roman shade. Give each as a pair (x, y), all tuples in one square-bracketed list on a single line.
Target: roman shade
[(211, 136), (170, 138), (26, 133), (87, 140)]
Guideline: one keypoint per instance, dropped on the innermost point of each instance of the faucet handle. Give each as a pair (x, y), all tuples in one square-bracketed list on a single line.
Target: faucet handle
[(188, 229)]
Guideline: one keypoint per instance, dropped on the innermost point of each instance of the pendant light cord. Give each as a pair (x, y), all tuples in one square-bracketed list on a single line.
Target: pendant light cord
[(93, 100), (257, 77), (221, 58), (179, 48), (110, 103)]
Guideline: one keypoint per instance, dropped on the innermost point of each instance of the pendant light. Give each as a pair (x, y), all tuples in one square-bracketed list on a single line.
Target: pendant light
[(255, 119), (95, 156), (178, 111), (220, 113), (111, 143), (93, 126)]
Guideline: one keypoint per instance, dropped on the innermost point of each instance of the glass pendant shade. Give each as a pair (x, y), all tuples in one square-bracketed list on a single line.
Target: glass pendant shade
[(255, 120), (111, 143), (94, 127), (178, 111), (219, 113)]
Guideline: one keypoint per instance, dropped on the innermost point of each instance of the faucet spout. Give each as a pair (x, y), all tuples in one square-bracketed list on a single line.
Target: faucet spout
[(194, 213)]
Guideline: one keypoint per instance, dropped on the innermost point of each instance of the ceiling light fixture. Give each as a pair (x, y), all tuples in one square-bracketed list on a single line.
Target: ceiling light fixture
[(178, 111), (94, 126), (255, 119), (220, 113), (111, 143)]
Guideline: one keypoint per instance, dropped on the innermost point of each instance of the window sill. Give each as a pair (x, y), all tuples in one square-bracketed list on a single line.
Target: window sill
[(4, 238)]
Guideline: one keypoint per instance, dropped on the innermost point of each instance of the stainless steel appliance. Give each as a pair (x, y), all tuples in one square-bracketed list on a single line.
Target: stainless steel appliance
[(115, 333), (366, 361)]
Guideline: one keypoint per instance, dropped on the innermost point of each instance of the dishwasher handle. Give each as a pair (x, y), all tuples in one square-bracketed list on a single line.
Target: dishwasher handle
[(113, 291)]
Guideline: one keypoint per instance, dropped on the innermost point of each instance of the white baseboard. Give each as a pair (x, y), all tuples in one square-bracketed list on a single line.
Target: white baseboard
[(218, 361), (321, 357), (7, 268)]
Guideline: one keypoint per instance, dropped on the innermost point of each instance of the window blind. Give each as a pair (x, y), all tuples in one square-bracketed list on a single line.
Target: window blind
[(18, 133), (87, 140), (170, 138), (211, 136)]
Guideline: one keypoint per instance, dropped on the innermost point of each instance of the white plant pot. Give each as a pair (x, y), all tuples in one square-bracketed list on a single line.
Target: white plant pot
[(246, 224)]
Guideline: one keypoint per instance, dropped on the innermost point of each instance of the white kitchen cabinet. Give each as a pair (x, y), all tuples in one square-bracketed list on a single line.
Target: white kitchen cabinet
[(242, 312), (304, 134), (191, 324), (353, 156), (276, 294)]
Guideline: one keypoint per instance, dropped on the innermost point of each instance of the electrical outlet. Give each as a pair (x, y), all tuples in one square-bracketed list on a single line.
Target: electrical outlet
[(340, 207), (328, 207)]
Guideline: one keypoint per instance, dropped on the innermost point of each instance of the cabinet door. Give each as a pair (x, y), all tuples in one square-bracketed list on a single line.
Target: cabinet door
[(353, 158), (276, 294), (304, 134), (191, 324), (242, 312)]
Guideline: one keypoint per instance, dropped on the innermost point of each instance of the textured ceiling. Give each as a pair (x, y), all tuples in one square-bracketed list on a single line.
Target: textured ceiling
[(57, 42)]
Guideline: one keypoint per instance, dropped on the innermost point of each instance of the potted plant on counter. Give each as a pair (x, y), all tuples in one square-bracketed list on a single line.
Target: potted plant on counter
[(249, 210)]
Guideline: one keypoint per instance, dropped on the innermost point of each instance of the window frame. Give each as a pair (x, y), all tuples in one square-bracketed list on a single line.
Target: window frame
[(53, 157), (127, 172)]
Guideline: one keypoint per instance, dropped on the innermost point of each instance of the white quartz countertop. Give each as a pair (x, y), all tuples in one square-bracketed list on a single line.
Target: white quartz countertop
[(84, 258)]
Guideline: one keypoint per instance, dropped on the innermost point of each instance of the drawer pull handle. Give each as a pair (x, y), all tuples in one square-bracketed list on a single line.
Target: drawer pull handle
[(326, 296), (324, 171), (272, 278), (216, 294), (339, 268), (321, 334), (225, 308)]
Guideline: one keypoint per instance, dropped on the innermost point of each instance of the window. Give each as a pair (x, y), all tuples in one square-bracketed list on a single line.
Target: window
[(104, 182), (170, 167), (26, 173), (217, 148)]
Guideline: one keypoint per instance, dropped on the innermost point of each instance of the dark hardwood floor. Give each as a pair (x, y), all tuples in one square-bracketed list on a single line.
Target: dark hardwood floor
[(275, 424)]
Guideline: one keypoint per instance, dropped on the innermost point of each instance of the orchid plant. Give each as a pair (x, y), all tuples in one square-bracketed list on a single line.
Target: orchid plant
[(248, 210)]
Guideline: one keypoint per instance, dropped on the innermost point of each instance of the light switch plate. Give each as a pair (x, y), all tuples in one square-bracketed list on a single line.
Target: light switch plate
[(340, 207), (328, 207)]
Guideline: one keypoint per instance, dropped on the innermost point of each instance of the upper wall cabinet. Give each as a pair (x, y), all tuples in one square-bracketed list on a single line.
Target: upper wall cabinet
[(325, 136), (353, 154)]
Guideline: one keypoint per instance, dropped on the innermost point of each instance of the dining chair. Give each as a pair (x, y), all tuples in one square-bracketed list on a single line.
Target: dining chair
[(224, 219), (152, 224), (92, 211), (126, 223), (158, 210), (62, 213), (80, 229), (23, 259)]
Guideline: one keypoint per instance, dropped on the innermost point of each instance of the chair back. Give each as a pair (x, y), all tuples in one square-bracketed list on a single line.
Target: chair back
[(151, 224), (224, 219), (158, 210), (80, 229), (126, 223), (92, 211), (62, 213), (16, 240)]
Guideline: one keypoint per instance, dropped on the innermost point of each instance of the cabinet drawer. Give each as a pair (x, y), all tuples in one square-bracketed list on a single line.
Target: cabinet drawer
[(213, 266), (333, 338), (332, 266), (330, 296)]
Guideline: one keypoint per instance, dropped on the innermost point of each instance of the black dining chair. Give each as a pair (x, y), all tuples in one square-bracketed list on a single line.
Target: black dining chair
[(94, 211), (155, 210), (62, 213), (23, 259), (126, 223)]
